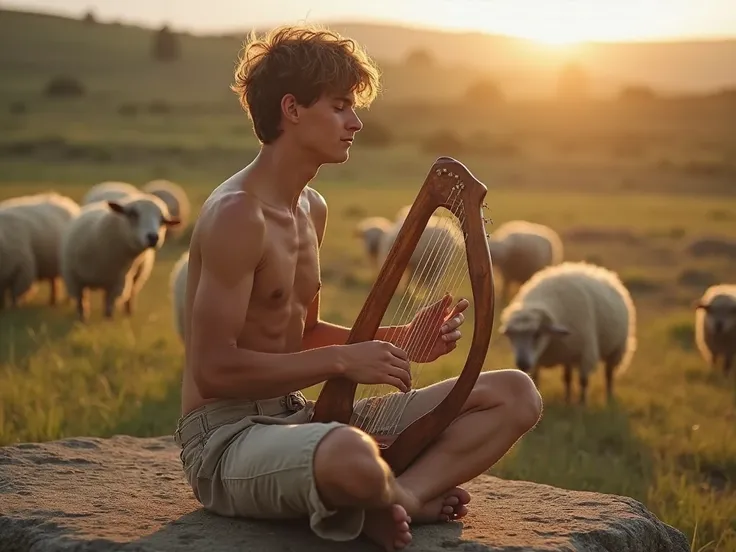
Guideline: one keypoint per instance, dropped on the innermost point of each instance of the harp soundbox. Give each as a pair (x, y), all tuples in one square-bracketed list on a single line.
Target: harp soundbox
[(451, 188)]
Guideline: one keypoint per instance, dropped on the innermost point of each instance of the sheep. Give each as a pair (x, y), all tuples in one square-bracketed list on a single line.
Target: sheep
[(178, 288), (715, 325), (109, 190), (176, 200), (435, 254), (371, 230), (111, 245), (519, 249), (572, 314), (30, 230)]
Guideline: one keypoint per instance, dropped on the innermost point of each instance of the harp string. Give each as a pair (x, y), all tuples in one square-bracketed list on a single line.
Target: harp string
[(401, 400), (388, 413), (391, 411), (405, 302)]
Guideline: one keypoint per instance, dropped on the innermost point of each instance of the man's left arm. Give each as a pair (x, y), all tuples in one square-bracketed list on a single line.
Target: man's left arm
[(317, 332)]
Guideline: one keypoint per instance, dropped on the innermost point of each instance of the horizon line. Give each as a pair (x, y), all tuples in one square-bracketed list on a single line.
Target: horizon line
[(376, 21)]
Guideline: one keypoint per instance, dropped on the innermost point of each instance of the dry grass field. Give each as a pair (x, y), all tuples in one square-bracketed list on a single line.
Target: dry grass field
[(629, 185)]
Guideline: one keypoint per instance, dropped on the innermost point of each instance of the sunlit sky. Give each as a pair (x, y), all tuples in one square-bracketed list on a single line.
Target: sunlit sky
[(549, 21)]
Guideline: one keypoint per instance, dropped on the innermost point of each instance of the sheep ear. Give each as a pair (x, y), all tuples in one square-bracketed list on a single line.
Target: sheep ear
[(116, 207), (172, 221), (558, 329), (698, 304)]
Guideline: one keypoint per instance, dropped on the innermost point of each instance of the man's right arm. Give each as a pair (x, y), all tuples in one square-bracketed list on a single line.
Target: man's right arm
[(220, 368)]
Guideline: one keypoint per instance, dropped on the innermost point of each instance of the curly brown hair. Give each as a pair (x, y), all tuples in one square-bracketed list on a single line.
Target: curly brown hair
[(306, 61)]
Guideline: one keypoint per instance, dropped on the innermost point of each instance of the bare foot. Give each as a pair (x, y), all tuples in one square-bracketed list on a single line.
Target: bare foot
[(388, 528), (447, 507)]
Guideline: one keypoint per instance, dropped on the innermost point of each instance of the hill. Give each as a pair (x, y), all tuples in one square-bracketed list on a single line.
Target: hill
[(115, 56)]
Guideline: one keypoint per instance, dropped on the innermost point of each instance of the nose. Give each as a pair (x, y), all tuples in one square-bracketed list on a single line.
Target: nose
[(355, 124), (523, 363), (152, 239)]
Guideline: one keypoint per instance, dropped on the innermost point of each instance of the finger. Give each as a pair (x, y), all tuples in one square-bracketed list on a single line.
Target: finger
[(452, 336), (461, 305), (396, 382), (401, 375), (453, 323), (398, 352)]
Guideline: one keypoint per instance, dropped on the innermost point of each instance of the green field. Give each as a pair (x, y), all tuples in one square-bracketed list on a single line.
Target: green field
[(628, 185)]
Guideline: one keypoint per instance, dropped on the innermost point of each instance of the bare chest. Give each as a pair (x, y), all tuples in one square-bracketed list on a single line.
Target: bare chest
[(288, 275)]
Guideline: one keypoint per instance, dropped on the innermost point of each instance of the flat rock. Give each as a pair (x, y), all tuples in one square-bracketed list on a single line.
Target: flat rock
[(127, 493)]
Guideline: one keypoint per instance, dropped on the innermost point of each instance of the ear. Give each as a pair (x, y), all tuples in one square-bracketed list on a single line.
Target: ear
[(549, 326), (289, 108), (116, 207), (171, 221), (698, 304), (557, 329)]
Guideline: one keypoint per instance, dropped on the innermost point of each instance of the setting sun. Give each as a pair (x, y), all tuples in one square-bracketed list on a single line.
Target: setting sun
[(562, 22)]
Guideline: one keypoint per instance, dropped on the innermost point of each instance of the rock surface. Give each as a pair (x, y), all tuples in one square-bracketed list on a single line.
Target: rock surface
[(127, 493)]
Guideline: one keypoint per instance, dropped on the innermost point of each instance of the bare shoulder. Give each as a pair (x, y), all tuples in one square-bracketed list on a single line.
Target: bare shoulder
[(230, 234), (317, 210)]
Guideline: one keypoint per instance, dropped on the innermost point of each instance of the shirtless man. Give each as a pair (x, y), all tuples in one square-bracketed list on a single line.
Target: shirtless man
[(254, 337)]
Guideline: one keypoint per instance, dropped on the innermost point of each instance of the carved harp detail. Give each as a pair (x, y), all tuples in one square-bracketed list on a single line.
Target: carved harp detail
[(450, 186)]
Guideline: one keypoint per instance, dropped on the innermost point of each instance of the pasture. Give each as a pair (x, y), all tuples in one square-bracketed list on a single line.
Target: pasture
[(630, 186)]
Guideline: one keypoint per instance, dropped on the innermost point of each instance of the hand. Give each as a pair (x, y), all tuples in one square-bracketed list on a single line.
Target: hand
[(433, 331), (375, 363)]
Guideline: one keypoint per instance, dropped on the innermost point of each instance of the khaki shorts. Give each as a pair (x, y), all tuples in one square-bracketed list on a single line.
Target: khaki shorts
[(254, 459)]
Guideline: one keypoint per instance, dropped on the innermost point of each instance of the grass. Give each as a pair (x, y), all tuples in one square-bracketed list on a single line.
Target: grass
[(629, 187)]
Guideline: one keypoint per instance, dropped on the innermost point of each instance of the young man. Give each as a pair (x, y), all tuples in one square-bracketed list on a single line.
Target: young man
[(254, 337)]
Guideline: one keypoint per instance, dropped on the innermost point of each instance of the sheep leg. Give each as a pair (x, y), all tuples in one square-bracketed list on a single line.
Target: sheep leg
[(82, 304), (587, 366), (610, 367), (567, 380), (727, 363), (129, 305), (23, 285), (54, 288), (109, 304)]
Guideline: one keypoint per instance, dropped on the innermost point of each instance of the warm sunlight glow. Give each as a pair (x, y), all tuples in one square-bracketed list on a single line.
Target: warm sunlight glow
[(561, 22)]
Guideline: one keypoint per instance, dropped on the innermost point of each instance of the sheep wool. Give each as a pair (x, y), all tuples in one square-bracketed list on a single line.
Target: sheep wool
[(30, 231), (178, 289), (112, 246), (371, 231), (574, 314), (715, 325), (438, 248), (520, 249), (109, 191), (176, 200)]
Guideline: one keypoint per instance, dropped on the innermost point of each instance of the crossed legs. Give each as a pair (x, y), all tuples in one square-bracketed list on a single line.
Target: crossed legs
[(349, 471)]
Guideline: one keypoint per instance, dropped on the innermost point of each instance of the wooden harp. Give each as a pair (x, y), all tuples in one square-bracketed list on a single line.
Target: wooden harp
[(451, 186)]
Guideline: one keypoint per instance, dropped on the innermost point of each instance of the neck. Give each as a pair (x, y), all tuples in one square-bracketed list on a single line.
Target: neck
[(281, 172)]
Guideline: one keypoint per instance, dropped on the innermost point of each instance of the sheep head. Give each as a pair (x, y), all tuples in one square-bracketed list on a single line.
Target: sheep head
[(529, 331), (146, 219), (720, 314)]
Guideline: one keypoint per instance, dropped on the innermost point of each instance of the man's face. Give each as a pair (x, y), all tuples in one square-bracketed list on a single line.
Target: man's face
[(326, 128)]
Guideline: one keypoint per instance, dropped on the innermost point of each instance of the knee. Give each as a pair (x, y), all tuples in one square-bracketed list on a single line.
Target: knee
[(515, 391), (348, 467), (524, 399)]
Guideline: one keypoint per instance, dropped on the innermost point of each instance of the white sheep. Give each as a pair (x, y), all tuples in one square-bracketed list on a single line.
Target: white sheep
[(715, 325), (440, 247), (30, 232), (574, 314), (176, 200), (371, 231), (520, 249), (178, 288), (108, 191), (111, 245)]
